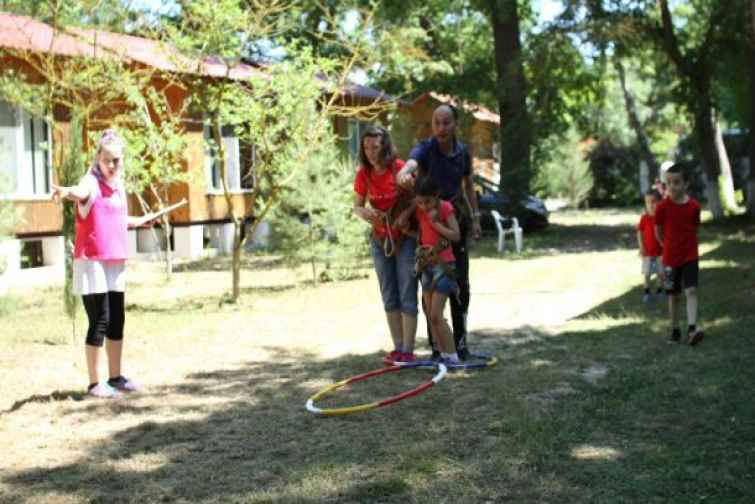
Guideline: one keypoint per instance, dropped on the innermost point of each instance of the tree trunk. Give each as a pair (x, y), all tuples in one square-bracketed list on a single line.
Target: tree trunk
[(634, 122), (69, 173), (706, 139), (512, 94), (751, 177), (168, 252), (236, 259), (726, 181), (237, 222), (698, 74), (713, 195)]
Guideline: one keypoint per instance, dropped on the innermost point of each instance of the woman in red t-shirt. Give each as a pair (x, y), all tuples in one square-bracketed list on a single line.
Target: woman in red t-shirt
[(392, 249)]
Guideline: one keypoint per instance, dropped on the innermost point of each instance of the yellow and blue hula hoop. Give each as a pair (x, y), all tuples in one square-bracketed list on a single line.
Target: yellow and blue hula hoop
[(442, 370)]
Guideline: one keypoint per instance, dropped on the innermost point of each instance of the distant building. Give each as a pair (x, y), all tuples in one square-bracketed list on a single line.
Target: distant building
[(479, 128)]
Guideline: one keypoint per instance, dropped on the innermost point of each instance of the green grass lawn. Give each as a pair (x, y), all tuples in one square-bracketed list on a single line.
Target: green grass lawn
[(589, 402)]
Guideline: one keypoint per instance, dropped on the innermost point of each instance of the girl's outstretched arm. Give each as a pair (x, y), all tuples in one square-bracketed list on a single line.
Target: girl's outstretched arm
[(78, 193)]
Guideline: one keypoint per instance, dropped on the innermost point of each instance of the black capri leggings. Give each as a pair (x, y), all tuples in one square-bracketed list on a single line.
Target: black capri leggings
[(106, 313)]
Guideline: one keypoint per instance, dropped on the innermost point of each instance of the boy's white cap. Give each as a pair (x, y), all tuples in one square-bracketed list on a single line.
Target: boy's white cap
[(666, 165)]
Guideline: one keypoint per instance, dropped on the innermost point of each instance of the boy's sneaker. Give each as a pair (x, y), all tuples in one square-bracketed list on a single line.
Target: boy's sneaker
[(695, 337), (646, 298), (102, 391), (463, 353), (435, 356), (123, 384), (676, 335)]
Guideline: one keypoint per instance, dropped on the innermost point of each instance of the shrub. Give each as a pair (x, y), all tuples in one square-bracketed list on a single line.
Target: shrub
[(565, 173), (615, 170), (314, 223)]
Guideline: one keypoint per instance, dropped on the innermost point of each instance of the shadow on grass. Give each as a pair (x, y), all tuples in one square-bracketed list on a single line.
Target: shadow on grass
[(260, 440), (223, 263), (594, 413), (260, 445), (729, 288), (57, 395), (531, 429)]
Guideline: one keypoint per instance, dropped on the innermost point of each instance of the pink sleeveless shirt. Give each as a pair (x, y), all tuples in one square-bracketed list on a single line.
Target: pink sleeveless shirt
[(103, 234)]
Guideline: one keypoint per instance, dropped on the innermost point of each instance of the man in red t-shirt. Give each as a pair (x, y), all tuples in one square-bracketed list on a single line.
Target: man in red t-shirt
[(650, 249), (677, 219)]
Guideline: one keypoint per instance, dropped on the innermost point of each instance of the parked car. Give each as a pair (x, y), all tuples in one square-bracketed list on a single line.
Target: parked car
[(532, 214)]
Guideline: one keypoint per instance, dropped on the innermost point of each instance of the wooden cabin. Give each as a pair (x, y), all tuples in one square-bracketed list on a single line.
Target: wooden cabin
[(29, 146)]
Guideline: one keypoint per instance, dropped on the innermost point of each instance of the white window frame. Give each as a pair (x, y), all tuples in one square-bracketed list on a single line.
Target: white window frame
[(212, 164), (25, 155), (354, 130)]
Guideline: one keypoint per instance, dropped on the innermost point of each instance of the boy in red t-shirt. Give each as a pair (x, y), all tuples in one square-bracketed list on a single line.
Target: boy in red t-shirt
[(677, 219), (437, 229), (650, 249)]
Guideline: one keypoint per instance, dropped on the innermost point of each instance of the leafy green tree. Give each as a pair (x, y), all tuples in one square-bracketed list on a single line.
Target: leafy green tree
[(9, 217), (154, 133), (511, 87), (456, 54), (751, 180), (690, 39), (566, 173), (284, 113), (77, 97), (314, 224)]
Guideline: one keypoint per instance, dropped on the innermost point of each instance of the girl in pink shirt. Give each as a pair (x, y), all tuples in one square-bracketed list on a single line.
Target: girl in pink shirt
[(99, 263), (437, 229)]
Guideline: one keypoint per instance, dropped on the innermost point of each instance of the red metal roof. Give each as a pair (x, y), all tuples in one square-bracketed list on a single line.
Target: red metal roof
[(27, 34), (478, 111)]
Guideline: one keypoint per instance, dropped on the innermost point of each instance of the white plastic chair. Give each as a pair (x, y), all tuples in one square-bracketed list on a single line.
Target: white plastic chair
[(502, 232)]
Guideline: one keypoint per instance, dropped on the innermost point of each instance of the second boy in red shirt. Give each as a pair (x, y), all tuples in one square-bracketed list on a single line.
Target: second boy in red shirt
[(650, 249)]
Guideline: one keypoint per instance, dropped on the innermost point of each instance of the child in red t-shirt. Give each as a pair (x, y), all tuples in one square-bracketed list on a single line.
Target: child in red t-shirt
[(650, 249), (437, 222), (677, 219)]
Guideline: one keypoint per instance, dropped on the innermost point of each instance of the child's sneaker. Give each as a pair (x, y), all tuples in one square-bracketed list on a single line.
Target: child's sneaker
[(449, 362), (646, 298), (391, 358), (124, 384), (695, 337), (102, 391), (406, 357)]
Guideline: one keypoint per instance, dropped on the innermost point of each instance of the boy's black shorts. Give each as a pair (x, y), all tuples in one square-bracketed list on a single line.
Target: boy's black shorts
[(684, 275)]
